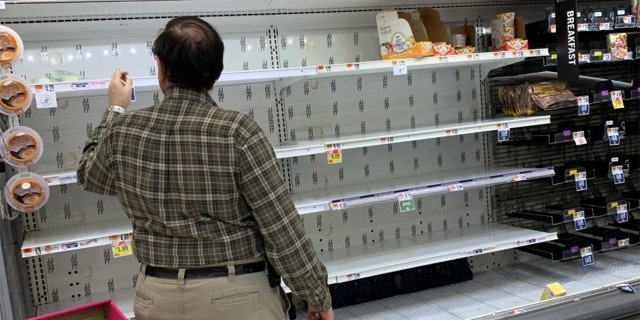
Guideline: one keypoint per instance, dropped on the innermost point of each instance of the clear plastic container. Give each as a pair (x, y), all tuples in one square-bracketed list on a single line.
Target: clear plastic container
[(26, 192), (15, 96), (21, 146), (11, 47)]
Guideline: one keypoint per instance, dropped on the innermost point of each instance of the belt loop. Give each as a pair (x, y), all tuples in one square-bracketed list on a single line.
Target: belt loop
[(143, 270), (181, 281), (232, 271)]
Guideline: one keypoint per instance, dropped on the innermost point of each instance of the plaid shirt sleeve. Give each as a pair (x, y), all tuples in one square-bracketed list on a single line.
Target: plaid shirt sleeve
[(286, 244), (95, 173)]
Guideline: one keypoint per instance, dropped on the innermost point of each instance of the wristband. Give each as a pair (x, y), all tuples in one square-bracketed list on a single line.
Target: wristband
[(117, 109)]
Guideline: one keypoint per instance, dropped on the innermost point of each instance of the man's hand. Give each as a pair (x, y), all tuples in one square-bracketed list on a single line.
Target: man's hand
[(313, 314), (120, 89)]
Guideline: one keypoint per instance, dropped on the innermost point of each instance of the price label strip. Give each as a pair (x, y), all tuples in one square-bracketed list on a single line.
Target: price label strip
[(339, 205), (405, 201), (587, 256), (616, 99), (614, 136), (503, 132), (579, 139), (45, 95), (399, 67), (519, 177), (579, 221), (622, 214), (584, 106), (618, 174), (581, 181), (334, 153), (121, 245), (456, 187)]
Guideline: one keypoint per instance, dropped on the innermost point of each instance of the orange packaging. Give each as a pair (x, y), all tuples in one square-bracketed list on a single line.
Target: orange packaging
[(443, 49), (516, 45)]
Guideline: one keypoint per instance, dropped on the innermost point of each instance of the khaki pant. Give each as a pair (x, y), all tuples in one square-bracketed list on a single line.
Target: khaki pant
[(235, 297)]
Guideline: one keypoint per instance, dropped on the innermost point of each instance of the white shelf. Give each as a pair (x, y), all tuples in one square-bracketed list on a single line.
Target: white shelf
[(288, 76), (392, 255), (343, 197), (303, 148), (62, 239)]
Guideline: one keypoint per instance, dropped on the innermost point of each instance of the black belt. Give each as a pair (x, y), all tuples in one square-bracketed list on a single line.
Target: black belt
[(206, 272)]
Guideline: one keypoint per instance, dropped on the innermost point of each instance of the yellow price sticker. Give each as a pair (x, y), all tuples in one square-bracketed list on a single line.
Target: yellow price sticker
[(616, 100), (571, 212), (334, 156), (554, 56), (614, 204), (121, 249), (597, 53), (573, 172)]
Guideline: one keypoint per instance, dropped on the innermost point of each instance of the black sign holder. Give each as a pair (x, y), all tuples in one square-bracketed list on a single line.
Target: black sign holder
[(567, 40)]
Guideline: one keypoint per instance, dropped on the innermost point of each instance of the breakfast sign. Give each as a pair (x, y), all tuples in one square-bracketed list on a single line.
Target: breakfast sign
[(567, 40)]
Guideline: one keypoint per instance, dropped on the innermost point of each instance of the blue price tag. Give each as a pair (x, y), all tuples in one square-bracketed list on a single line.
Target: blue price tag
[(587, 260), (618, 178), (614, 140), (623, 216), (580, 224), (503, 135), (581, 185), (584, 110)]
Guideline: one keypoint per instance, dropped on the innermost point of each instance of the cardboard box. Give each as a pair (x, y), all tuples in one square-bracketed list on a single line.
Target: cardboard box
[(617, 46), (397, 37), (436, 29), (504, 40), (99, 310)]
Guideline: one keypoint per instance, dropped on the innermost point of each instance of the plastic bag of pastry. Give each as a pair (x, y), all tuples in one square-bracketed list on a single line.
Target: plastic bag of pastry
[(26, 192), (15, 96), (21, 146), (11, 47)]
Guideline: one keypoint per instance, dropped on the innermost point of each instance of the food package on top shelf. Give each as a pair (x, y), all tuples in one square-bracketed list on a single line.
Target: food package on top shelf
[(21, 146), (11, 47), (15, 96), (401, 38), (508, 33), (437, 32), (26, 192), (466, 32), (527, 98), (617, 45)]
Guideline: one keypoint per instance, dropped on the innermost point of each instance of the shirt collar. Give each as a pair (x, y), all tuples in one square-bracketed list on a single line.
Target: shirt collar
[(181, 93)]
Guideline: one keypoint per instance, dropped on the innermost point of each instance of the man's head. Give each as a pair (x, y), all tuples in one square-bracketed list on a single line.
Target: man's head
[(189, 53)]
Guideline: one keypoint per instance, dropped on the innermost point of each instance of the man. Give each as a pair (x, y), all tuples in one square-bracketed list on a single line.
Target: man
[(203, 191)]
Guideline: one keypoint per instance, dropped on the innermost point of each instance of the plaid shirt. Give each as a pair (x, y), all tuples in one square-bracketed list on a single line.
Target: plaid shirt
[(201, 186)]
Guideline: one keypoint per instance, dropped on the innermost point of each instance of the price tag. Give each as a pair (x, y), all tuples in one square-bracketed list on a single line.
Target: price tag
[(606, 57), (622, 214), (353, 66), (579, 139), (618, 174), (503, 132), (616, 99), (334, 153), (583, 27), (579, 221), (584, 107), (405, 201), (553, 28), (502, 54), (341, 205), (45, 95), (627, 19), (475, 57), (587, 256), (323, 69), (386, 140), (121, 245), (451, 132), (519, 177), (614, 136), (581, 181), (456, 187), (605, 26), (623, 242), (399, 68), (584, 58)]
